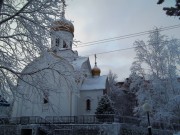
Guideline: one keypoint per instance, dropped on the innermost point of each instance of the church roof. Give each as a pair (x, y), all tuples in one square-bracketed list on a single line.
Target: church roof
[(94, 83), (79, 61)]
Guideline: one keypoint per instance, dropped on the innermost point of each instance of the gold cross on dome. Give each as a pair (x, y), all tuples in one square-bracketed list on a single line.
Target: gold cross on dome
[(95, 58)]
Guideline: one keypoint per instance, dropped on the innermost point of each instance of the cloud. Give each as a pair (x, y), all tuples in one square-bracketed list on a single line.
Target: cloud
[(101, 19)]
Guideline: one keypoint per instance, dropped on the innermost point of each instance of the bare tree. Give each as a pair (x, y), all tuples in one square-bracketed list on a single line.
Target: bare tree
[(24, 35)]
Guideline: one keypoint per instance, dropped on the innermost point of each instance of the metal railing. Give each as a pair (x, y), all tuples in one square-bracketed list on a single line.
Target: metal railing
[(83, 119), (26, 120), (129, 120)]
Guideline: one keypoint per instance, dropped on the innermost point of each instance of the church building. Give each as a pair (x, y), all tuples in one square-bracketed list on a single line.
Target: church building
[(59, 82)]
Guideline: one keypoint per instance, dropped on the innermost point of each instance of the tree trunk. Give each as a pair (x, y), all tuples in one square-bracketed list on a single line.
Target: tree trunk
[(1, 3)]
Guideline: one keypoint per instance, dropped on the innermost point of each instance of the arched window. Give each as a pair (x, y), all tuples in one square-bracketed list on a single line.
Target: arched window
[(88, 104), (45, 98), (64, 44)]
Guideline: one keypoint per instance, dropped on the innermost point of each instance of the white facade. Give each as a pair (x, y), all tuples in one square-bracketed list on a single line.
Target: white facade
[(4, 108), (63, 83), (92, 89)]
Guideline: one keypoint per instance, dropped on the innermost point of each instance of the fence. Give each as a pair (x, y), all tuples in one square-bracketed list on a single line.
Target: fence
[(84, 119), (78, 130)]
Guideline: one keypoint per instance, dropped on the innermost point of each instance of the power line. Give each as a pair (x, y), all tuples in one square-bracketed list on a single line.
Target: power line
[(125, 36), (134, 34), (118, 50), (110, 51)]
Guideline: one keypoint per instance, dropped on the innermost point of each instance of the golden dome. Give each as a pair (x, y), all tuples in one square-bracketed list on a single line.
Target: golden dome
[(63, 24), (96, 71)]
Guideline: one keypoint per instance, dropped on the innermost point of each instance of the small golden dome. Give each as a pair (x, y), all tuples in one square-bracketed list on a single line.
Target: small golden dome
[(96, 71), (63, 24)]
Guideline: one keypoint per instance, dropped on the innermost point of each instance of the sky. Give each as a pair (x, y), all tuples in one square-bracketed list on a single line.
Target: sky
[(101, 19)]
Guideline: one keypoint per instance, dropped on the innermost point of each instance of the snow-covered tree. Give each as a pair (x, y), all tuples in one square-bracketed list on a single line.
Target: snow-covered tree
[(123, 100), (112, 78), (155, 75), (24, 35), (104, 108)]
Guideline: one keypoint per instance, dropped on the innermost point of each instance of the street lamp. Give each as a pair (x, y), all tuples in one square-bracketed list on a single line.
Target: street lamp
[(147, 108)]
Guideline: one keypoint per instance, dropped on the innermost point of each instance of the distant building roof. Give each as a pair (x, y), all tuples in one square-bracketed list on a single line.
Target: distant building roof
[(94, 83)]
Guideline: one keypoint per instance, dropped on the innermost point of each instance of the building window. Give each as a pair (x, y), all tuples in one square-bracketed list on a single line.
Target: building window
[(88, 104), (64, 44), (45, 98), (57, 41)]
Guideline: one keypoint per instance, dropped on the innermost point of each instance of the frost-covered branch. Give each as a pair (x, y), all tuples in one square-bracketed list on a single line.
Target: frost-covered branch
[(24, 35), (21, 73), (17, 13), (155, 74)]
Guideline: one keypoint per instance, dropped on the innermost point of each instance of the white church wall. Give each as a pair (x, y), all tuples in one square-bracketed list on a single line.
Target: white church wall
[(94, 96), (75, 97), (4, 111), (67, 54), (58, 84), (58, 104)]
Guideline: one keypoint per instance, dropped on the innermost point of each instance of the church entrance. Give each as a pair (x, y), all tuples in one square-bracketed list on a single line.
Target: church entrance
[(26, 131)]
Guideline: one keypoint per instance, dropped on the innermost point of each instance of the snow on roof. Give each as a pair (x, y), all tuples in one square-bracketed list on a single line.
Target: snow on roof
[(78, 62), (94, 83)]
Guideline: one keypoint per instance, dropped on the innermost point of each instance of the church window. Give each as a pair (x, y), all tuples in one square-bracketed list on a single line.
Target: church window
[(64, 44), (45, 98), (88, 104), (57, 41)]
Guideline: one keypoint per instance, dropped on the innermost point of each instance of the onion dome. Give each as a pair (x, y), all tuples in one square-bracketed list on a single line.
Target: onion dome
[(96, 71), (63, 25)]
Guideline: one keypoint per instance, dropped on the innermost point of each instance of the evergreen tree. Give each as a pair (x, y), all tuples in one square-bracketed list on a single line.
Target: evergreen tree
[(105, 109)]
